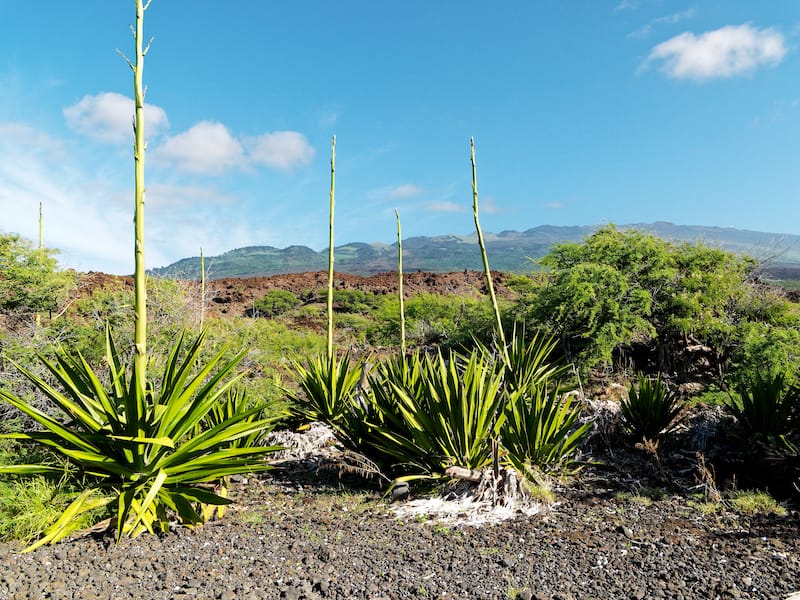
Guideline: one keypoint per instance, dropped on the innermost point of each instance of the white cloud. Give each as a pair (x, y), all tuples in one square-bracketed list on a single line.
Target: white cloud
[(108, 117), (31, 139), (161, 196), (647, 29), (446, 206), (725, 52), (553, 205), (626, 5), (207, 148), (488, 206), (406, 190), (80, 214), (87, 211), (283, 150)]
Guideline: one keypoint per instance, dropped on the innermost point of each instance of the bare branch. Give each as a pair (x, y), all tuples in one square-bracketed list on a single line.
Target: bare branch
[(149, 43), (125, 58), (147, 4), (133, 31)]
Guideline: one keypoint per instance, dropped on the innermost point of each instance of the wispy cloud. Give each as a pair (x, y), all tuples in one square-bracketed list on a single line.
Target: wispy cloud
[(328, 118), (108, 118), (626, 5), (284, 150), (725, 52), (161, 196), (489, 206), (446, 206), (81, 214), (777, 113), (406, 190), (645, 30), (30, 139)]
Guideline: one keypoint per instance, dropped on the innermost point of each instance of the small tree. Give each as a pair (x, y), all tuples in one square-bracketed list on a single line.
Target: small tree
[(30, 280)]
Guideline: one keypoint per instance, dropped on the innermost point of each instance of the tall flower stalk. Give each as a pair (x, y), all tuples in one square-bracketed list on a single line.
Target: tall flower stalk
[(140, 284), (330, 249), (489, 285), (400, 284)]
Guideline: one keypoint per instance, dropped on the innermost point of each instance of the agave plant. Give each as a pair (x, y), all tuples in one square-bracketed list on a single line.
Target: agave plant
[(141, 449), (436, 412), (766, 408), (528, 362), (651, 409), (541, 428), (328, 385)]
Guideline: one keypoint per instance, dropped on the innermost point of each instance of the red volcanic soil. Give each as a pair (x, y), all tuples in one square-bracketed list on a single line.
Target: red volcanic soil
[(235, 296)]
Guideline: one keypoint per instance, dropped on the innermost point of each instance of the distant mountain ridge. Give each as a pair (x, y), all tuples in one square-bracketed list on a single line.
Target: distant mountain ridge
[(509, 251)]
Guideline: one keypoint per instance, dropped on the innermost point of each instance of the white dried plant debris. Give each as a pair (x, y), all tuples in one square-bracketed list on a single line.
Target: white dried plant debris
[(311, 441), (606, 415), (487, 501)]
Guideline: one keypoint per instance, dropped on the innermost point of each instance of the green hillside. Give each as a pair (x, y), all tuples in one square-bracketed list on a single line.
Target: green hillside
[(510, 251)]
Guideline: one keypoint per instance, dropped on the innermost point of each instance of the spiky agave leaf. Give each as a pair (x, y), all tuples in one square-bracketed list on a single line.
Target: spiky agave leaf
[(154, 458)]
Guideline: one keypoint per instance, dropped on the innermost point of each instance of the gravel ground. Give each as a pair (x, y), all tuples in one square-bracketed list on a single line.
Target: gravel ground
[(293, 539)]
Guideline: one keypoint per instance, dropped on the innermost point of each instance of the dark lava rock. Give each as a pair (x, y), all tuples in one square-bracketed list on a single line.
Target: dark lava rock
[(278, 543)]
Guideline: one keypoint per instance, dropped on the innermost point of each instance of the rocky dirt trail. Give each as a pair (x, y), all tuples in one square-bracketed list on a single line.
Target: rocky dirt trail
[(295, 539)]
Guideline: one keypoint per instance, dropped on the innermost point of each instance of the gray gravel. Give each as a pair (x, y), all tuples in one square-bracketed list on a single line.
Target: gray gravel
[(287, 540)]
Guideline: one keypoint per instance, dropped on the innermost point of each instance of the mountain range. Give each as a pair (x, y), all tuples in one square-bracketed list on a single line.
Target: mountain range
[(510, 251)]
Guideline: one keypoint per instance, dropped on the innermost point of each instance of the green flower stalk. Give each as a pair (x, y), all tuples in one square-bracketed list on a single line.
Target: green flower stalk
[(489, 284), (202, 288), (400, 285), (330, 250), (140, 284)]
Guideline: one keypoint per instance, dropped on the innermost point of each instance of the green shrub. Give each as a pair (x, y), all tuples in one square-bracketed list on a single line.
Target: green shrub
[(651, 409), (354, 301), (275, 302), (448, 320), (750, 502), (29, 279), (764, 347)]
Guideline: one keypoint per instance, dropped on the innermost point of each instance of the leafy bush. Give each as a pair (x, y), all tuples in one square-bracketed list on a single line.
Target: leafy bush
[(275, 302), (354, 301), (139, 449), (448, 320), (29, 279), (766, 408), (624, 287), (764, 347), (651, 409)]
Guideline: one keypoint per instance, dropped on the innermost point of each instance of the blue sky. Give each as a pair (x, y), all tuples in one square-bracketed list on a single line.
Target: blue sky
[(583, 113)]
